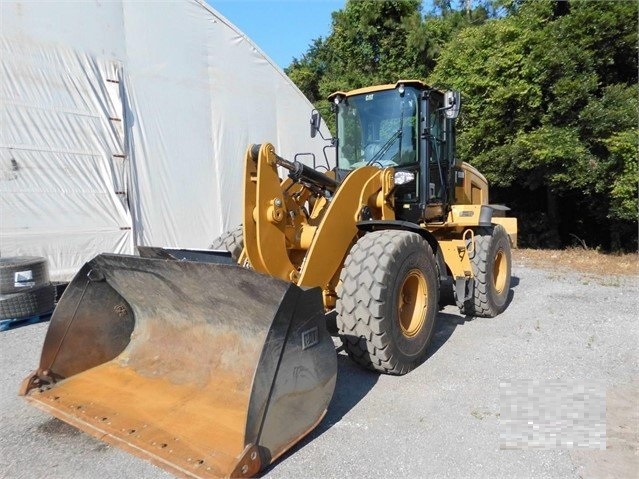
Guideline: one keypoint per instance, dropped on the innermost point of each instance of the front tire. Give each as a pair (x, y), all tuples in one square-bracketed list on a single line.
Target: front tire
[(491, 262), (231, 241), (388, 300)]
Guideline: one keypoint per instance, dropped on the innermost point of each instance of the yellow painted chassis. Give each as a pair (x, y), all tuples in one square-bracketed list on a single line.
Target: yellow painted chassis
[(293, 232)]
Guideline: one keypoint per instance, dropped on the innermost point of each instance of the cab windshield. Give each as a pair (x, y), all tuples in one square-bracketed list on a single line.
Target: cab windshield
[(377, 128)]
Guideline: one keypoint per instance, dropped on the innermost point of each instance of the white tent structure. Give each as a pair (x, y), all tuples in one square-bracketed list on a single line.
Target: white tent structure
[(124, 123)]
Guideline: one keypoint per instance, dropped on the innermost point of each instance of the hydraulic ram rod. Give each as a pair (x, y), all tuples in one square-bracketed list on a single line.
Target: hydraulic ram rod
[(300, 172)]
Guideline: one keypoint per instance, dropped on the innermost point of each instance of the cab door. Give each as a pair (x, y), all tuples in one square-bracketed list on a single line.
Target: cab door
[(434, 138)]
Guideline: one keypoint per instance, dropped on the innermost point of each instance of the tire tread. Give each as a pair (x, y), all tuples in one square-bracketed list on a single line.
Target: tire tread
[(231, 241), (481, 304), (363, 284), (34, 302)]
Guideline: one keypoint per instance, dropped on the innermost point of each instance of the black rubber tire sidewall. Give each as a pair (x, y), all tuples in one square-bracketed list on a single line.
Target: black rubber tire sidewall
[(367, 318), (487, 302), (411, 350), (9, 266), (35, 302), (500, 242)]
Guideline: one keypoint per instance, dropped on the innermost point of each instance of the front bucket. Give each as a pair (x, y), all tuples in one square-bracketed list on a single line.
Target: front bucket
[(206, 370)]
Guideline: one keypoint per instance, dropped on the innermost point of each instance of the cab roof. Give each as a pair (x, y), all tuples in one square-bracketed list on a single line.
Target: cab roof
[(420, 85)]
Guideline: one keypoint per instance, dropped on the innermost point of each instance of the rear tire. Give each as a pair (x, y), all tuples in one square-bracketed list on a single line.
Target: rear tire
[(231, 241), (491, 262), (387, 301)]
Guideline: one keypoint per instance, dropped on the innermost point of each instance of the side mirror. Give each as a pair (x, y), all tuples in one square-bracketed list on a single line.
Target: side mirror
[(452, 104), (316, 121)]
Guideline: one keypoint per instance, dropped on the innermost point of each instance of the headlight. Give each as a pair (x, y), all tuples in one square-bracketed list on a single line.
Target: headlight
[(403, 177)]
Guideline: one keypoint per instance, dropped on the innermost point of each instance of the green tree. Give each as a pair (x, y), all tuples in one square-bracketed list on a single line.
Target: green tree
[(551, 112), (307, 71), (375, 42), (366, 46), (549, 91)]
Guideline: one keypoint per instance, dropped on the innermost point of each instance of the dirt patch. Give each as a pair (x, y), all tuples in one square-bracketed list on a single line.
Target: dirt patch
[(579, 260), (621, 456)]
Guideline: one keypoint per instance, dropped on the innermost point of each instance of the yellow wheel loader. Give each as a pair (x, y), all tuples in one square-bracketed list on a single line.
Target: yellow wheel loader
[(214, 363)]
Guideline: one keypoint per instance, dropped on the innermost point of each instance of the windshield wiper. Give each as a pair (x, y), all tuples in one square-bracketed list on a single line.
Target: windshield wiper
[(385, 147)]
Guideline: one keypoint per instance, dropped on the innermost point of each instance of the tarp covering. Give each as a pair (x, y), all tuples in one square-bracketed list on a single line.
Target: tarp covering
[(125, 123)]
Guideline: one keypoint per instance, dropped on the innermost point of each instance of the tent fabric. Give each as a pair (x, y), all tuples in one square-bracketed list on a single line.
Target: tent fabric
[(125, 123)]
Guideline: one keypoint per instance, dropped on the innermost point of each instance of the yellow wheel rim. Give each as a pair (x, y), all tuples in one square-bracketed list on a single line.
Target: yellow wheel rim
[(500, 271), (411, 304)]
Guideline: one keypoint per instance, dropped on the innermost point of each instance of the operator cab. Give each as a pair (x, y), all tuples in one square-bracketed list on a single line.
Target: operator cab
[(408, 126)]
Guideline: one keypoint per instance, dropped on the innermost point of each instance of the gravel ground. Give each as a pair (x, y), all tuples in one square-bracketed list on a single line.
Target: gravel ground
[(441, 420)]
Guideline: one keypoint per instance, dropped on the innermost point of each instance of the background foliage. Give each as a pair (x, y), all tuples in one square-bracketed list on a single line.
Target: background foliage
[(550, 99)]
